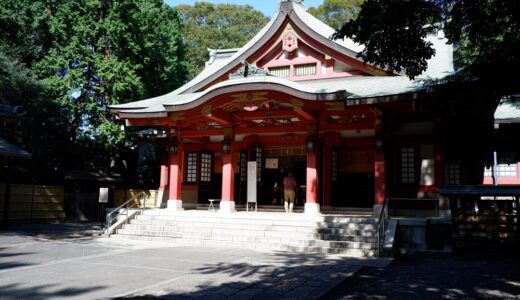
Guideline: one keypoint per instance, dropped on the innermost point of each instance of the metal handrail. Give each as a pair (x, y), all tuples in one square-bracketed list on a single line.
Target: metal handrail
[(381, 229), (126, 206)]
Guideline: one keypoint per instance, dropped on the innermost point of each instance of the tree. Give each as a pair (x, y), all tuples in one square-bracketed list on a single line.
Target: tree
[(486, 34), (216, 26), (105, 52), (85, 55), (336, 12), (40, 127)]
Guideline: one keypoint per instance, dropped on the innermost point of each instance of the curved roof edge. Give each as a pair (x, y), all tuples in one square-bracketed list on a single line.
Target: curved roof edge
[(245, 85)]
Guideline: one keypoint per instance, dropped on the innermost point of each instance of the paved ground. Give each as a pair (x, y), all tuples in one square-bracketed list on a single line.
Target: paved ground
[(70, 261), (462, 276)]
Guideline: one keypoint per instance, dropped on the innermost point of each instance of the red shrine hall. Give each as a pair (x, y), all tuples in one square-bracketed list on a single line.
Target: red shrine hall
[(294, 100)]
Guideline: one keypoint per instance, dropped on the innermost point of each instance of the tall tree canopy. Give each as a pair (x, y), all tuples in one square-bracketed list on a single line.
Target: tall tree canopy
[(336, 12), (103, 52), (216, 26), (83, 55), (486, 34)]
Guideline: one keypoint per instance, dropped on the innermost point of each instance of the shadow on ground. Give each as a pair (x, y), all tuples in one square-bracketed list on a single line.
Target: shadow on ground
[(461, 276), (56, 231), (14, 291), (285, 275)]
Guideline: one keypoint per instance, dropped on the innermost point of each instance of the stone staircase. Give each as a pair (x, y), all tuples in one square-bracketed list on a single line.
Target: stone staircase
[(349, 235)]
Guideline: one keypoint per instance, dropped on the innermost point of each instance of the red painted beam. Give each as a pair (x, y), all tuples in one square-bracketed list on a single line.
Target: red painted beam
[(203, 133), (264, 114), (301, 112), (277, 129), (221, 117), (200, 140)]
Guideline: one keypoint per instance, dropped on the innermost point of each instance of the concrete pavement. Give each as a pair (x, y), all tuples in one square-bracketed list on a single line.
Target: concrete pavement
[(70, 261)]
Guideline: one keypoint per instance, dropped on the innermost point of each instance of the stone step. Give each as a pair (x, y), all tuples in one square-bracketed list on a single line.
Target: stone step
[(249, 224), (284, 230), (293, 241), (354, 252), (256, 218), (353, 236)]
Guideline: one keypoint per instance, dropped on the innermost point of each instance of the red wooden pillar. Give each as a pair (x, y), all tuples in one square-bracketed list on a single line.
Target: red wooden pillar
[(164, 177), (311, 200), (163, 183), (311, 205), (227, 201), (175, 196), (379, 180)]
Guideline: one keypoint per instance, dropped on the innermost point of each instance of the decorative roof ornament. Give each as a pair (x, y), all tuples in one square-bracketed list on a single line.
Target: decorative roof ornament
[(248, 70), (297, 1), (290, 42)]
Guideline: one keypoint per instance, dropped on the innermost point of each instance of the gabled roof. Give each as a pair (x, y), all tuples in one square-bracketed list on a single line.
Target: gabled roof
[(297, 13), (224, 61)]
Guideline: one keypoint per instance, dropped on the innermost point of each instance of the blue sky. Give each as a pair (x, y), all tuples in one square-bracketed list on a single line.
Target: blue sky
[(268, 7)]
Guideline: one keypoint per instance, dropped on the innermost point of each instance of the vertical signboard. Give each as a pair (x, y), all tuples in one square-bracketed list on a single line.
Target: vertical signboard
[(251, 181), (103, 195)]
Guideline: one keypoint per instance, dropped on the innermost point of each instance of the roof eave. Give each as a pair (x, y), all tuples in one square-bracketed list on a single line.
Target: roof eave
[(142, 115), (241, 87)]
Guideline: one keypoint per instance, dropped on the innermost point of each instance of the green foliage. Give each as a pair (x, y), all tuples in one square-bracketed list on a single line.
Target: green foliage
[(41, 128), (66, 61), (336, 12), (17, 85), (216, 26), (486, 33), (391, 41), (108, 52), (15, 31)]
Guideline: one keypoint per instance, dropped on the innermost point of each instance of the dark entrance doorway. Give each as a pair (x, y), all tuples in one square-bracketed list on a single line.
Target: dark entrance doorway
[(278, 162)]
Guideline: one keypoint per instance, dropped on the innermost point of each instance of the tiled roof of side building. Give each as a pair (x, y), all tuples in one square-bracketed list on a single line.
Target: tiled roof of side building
[(7, 149), (508, 111)]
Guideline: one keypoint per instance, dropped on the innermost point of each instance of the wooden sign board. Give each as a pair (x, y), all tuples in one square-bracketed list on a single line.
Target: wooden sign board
[(271, 163), (251, 181)]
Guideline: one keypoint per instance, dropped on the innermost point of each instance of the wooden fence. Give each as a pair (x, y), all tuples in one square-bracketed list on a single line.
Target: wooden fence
[(33, 203)]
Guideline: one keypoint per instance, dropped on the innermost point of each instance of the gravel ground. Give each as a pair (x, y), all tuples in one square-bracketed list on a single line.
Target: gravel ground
[(461, 276)]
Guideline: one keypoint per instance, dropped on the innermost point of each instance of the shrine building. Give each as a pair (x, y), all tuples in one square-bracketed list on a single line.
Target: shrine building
[(294, 100)]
